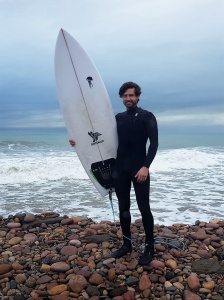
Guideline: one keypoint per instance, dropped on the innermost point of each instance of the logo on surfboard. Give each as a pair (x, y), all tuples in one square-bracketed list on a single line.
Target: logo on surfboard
[(94, 136), (90, 79)]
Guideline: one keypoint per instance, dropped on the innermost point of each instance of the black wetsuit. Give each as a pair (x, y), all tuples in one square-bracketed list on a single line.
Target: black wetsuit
[(134, 127)]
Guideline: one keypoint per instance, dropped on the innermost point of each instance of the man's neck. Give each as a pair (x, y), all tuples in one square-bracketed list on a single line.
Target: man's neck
[(131, 108)]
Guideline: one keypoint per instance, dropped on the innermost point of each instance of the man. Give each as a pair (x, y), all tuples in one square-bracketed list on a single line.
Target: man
[(134, 126)]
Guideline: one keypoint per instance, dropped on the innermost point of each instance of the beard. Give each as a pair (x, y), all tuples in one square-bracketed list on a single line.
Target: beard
[(130, 104)]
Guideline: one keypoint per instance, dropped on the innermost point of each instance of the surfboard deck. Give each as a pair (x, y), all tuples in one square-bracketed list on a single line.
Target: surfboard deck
[(86, 110)]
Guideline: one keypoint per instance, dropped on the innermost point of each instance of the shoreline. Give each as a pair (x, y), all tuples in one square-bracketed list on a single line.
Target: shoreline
[(48, 256)]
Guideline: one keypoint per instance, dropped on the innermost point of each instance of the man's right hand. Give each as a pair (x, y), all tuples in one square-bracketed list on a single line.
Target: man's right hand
[(72, 143)]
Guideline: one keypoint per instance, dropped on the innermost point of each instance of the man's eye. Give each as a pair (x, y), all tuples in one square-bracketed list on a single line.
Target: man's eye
[(131, 95)]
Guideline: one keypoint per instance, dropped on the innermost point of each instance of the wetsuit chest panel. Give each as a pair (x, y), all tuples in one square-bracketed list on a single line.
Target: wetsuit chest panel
[(131, 130), (132, 135)]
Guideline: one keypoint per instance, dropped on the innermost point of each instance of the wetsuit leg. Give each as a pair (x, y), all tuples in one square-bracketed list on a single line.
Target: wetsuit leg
[(122, 183), (142, 196)]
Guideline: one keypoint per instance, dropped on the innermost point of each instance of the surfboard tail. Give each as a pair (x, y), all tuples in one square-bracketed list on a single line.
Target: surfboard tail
[(102, 171)]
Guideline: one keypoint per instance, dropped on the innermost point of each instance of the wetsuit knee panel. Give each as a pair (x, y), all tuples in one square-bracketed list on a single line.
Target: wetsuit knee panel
[(126, 214)]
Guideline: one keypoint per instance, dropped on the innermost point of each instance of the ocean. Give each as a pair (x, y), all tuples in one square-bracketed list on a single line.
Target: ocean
[(41, 172)]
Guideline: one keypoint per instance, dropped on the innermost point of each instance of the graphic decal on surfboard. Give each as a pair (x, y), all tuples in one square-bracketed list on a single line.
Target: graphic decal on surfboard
[(86, 107), (90, 79), (94, 136)]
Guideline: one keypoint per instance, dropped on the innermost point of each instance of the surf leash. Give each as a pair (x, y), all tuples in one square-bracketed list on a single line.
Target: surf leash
[(172, 242), (112, 207)]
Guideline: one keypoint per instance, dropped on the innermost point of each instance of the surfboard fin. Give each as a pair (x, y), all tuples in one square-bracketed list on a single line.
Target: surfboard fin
[(102, 171)]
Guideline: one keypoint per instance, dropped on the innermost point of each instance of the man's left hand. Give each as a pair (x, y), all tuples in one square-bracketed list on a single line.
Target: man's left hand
[(142, 174)]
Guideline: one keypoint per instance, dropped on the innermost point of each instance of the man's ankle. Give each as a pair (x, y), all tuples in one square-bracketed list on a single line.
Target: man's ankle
[(148, 254), (128, 245), (149, 247)]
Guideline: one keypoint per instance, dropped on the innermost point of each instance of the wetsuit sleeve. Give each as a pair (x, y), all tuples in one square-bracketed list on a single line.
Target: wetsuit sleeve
[(152, 130)]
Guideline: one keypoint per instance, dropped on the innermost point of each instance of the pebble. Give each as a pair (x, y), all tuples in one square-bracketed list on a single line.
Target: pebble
[(172, 264), (209, 285), (144, 283), (14, 241), (29, 218), (96, 279), (77, 283), (60, 267), (193, 282), (69, 258), (58, 289), (13, 225)]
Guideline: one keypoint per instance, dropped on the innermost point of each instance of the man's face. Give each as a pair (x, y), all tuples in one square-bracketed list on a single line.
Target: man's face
[(129, 98)]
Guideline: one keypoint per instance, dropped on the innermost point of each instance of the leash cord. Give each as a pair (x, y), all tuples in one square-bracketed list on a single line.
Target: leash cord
[(166, 241)]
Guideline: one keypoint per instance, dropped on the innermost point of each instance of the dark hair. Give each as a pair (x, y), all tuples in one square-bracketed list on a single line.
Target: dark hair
[(129, 85)]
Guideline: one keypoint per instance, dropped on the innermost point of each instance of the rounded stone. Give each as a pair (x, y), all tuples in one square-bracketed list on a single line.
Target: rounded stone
[(157, 264), (30, 237), (209, 285), (69, 250), (58, 289), (96, 279), (14, 241), (13, 225), (20, 278), (76, 243), (144, 283), (193, 282), (77, 283), (45, 268), (5, 268), (29, 218), (172, 264), (60, 267)]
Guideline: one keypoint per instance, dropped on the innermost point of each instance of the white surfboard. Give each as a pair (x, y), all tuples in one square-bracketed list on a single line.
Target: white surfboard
[(87, 110)]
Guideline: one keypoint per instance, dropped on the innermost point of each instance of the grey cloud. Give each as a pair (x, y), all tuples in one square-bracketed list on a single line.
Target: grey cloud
[(172, 48)]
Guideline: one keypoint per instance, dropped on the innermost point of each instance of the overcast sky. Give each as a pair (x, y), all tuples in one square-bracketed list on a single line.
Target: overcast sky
[(174, 49)]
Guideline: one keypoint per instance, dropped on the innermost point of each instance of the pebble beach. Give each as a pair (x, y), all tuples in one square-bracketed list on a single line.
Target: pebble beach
[(48, 256)]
